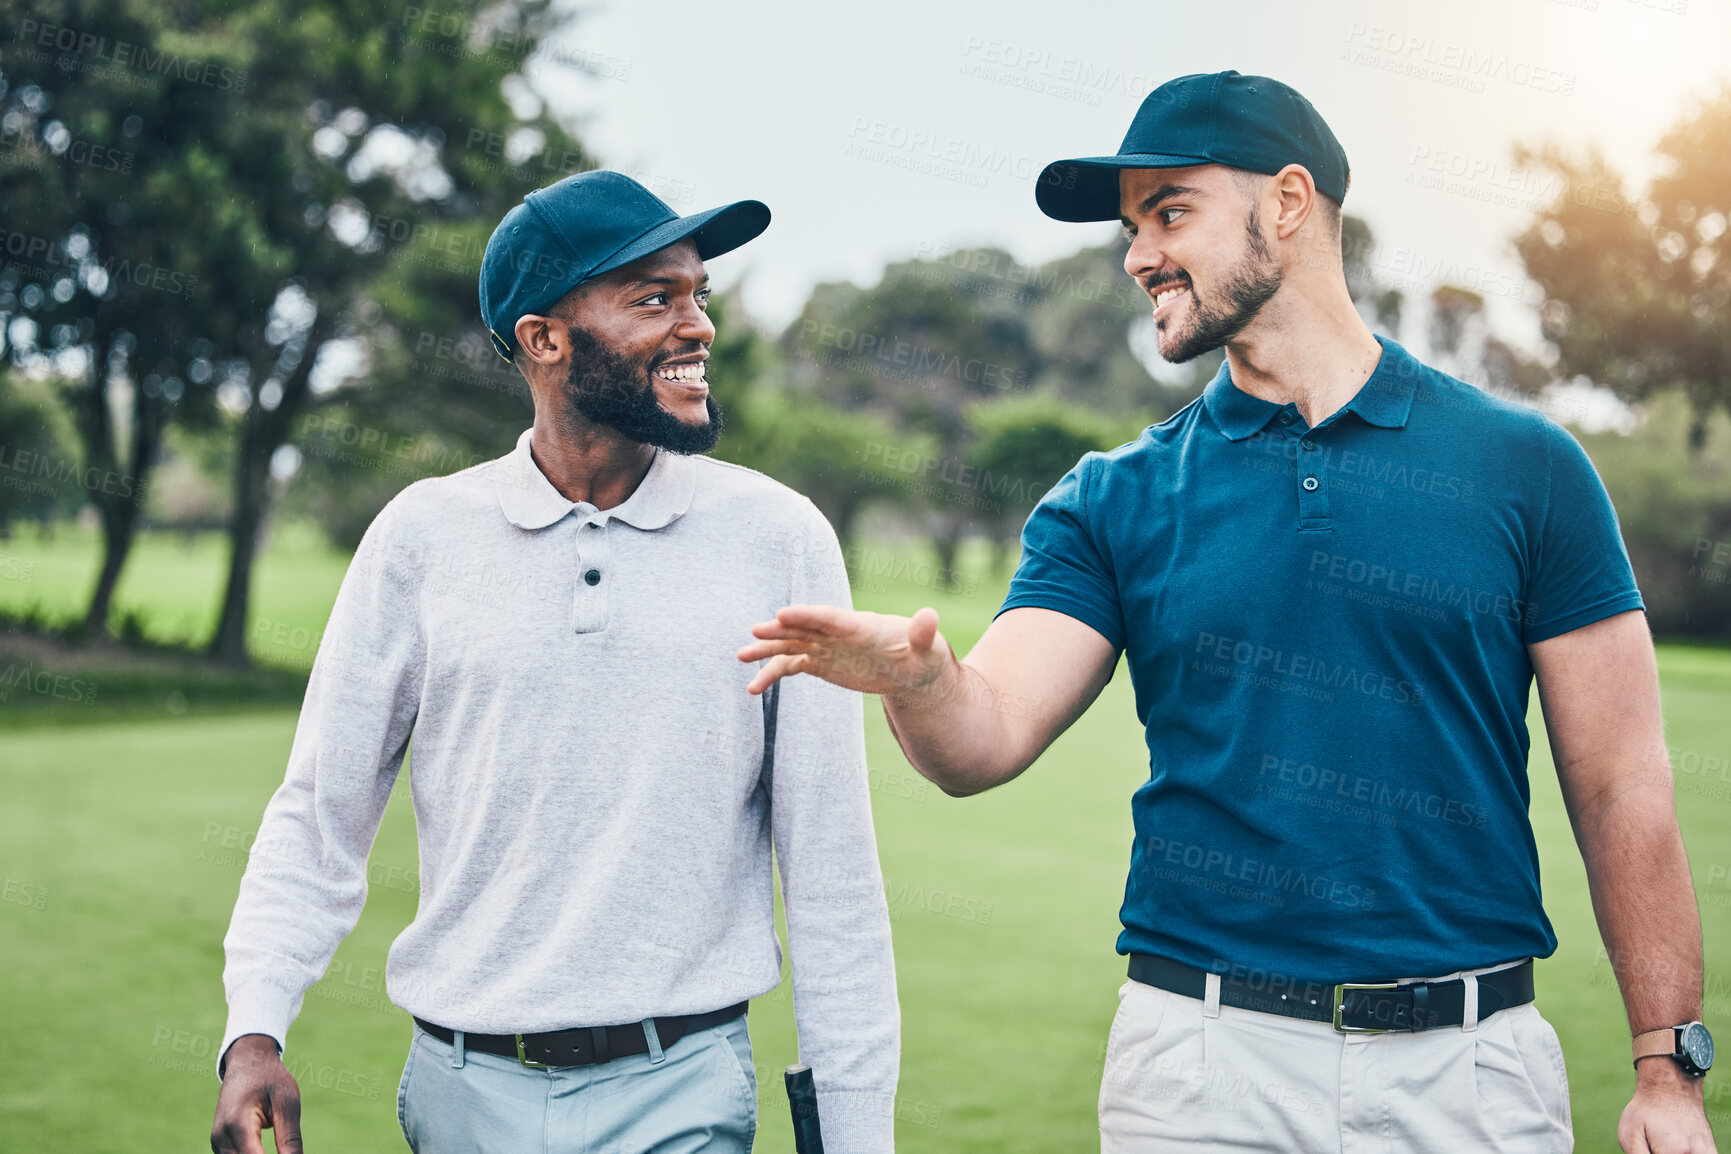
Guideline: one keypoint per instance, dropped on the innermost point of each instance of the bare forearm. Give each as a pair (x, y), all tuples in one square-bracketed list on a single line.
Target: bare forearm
[(1644, 901), (959, 731), (1600, 689), (965, 725)]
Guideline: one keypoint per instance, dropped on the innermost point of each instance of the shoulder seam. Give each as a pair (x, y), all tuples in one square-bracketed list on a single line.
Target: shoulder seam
[(1087, 481), (1550, 490), (1188, 405)]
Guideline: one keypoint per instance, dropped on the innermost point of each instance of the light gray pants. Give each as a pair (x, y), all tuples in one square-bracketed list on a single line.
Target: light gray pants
[(698, 1095), (1178, 1079)]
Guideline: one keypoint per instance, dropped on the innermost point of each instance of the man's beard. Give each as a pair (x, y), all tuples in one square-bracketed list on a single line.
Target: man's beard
[(616, 391), (1247, 288)]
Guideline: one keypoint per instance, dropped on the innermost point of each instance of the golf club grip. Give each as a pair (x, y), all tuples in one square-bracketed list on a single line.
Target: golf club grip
[(802, 1101)]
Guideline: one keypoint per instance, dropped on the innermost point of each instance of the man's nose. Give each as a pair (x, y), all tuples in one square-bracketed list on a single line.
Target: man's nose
[(1144, 258), (694, 325)]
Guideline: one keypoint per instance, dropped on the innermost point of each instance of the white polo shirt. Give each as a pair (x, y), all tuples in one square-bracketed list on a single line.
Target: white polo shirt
[(594, 835)]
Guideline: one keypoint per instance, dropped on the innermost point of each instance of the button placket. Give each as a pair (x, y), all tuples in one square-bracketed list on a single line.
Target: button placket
[(1313, 516), (592, 571)]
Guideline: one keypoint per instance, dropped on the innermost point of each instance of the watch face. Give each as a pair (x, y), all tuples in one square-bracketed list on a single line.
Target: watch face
[(1696, 1048)]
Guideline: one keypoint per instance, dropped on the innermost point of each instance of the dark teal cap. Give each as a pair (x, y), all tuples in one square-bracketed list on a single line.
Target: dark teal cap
[(1248, 122)]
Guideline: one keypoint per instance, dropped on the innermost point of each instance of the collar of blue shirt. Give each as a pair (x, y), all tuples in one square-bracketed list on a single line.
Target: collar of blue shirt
[(1385, 399), (529, 500)]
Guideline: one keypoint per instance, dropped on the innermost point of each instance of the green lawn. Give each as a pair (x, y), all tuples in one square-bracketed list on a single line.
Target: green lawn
[(175, 582), (119, 860)]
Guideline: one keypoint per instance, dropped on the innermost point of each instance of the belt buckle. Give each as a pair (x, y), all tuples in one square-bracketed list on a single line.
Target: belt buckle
[(523, 1056), (1340, 1005)]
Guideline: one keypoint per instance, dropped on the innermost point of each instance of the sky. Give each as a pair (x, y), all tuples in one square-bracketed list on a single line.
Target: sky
[(884, 131)]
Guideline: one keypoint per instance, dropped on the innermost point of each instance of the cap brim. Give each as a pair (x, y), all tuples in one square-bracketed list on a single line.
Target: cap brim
[(1086, 188), (716, 230)]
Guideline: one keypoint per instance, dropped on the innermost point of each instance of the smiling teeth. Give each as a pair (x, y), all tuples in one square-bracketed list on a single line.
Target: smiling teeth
[(1165, 295), (692, 372)]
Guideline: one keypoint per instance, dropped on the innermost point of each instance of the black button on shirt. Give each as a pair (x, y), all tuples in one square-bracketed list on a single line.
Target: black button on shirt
[(593, 576)]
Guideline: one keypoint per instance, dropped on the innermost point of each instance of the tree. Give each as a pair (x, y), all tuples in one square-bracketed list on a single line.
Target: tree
[(31, 429), (1674, 506), (915, 351), (1024, 447), (1457, 318), (1358, 261), (96, 281), (795, 436), (324, 192), (841, 460), (1638, 288), (362, 107)]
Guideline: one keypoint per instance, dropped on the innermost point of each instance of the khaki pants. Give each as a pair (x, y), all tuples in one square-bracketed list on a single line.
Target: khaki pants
[(1177, 1079)]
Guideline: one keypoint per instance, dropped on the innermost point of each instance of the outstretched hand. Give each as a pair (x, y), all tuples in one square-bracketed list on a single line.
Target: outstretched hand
[(869, 652)]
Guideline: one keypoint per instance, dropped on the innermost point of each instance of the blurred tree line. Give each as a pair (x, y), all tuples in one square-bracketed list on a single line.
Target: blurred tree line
[(1638, 301), (237, 281)]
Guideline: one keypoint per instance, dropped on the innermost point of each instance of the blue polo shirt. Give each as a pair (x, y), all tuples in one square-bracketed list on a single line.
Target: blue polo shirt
[(1326, 630)]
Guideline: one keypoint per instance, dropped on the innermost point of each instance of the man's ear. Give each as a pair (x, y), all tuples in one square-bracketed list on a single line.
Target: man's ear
[(1295, 190), (542, 340)]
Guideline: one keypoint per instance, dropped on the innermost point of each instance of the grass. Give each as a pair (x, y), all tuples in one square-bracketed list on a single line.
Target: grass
[(175, 582), (166, 597), (120, 854)]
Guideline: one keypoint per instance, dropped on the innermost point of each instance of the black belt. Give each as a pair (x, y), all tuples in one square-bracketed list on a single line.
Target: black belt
[(1351, 1007), (586, 1046)]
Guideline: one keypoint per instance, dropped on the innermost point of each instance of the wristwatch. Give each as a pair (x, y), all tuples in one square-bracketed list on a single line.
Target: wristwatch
[(1689, 1045)]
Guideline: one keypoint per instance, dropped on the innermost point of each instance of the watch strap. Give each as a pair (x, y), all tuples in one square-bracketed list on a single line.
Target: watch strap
[(1660, 1043)]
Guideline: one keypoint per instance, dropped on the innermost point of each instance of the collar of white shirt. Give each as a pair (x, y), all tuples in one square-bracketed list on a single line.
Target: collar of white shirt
[(529, 500)]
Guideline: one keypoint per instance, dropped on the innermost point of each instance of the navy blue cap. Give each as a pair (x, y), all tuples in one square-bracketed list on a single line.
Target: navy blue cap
[(582, 227), (1248, 122)]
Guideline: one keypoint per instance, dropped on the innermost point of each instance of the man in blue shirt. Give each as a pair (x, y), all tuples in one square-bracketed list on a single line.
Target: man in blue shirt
[(1335, 577)]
